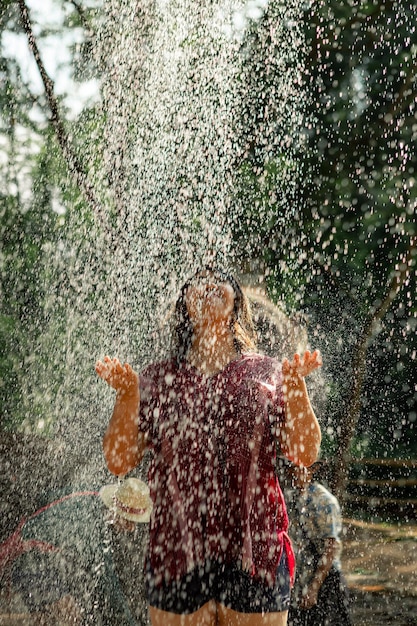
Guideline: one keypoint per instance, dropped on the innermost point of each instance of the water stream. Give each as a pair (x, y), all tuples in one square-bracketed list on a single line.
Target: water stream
[(173, 140)]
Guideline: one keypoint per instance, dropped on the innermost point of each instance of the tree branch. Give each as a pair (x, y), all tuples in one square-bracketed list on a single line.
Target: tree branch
[(348, 425), (401, 273), (56, 121), (81, 12)]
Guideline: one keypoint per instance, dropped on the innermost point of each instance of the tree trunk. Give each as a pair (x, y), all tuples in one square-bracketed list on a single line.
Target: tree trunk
[(353, 405)]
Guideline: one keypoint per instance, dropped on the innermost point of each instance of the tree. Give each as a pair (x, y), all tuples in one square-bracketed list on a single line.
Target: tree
[(362, 82), (39, 202), (23, 231), (353, 229)]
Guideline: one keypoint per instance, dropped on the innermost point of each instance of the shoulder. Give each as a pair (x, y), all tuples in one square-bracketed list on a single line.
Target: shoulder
[(326, 513), (153, 371), (322, 498), (259, 364), (157, 376)]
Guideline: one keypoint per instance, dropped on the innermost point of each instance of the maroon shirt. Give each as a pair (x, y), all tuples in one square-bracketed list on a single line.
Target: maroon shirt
[(212, 472)]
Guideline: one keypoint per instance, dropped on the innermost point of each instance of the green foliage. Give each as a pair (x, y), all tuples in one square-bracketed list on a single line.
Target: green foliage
[(338, 244), (326, 195), (361, 199), (27, 229), (38, 202)]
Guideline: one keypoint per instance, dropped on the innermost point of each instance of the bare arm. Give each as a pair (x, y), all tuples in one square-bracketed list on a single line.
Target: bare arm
[(300, 435), (123, 443), (320, 575)]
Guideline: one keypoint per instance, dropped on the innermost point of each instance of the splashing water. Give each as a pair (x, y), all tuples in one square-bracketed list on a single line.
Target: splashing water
[(171, 98), (169, 148), (165, 176)]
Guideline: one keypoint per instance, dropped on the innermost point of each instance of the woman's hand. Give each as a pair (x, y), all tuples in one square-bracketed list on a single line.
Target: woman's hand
[(309, 599), (300, 436), (123, 444), (123, 378), (300, 367)]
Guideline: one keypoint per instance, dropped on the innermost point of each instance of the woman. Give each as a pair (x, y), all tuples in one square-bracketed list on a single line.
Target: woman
[(213, 416)]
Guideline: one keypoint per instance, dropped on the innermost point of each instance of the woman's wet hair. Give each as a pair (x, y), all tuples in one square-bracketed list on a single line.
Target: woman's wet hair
[(242, 326)]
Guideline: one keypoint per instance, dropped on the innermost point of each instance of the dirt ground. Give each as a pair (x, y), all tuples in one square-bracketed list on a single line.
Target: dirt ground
[(380, 565)]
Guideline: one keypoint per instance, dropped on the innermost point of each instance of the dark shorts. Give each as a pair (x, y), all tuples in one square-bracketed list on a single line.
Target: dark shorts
[(226, 584)]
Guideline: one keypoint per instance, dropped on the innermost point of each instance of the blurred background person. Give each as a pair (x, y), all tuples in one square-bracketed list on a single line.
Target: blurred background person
[(320, 596)]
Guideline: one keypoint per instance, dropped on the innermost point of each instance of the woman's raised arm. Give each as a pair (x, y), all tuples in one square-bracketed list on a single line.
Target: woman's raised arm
[(300, 435), (123, 443)]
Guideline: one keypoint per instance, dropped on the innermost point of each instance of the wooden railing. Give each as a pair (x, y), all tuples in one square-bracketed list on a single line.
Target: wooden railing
[(383, 484)]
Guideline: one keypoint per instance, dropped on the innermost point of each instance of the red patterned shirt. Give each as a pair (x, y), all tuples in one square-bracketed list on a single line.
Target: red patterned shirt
[(212, 473)]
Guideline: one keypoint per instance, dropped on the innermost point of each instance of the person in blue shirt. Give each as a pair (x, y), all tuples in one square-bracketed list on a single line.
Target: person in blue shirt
[(320, 596)]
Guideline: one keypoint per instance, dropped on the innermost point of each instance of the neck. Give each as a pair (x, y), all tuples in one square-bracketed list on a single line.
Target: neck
[(212, 348)]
